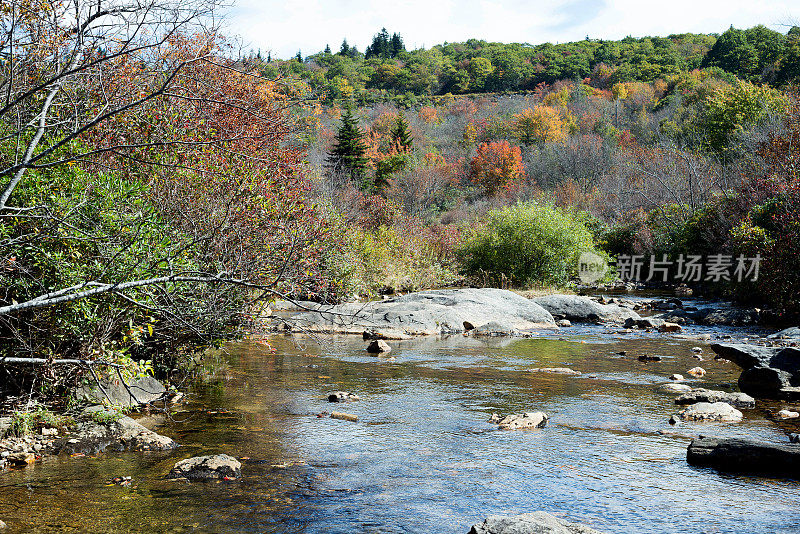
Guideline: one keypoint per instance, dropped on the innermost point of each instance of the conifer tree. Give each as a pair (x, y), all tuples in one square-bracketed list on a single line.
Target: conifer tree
[(396, 46), (299, 57), (327, 49), (401, 137), (348, 153), (344, 50)]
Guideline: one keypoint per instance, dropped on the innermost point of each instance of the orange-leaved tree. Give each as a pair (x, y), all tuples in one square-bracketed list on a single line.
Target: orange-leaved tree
[(496, 165)]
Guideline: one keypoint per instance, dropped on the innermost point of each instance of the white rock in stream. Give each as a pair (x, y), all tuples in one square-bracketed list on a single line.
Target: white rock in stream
[(524, 420), (721, 412)]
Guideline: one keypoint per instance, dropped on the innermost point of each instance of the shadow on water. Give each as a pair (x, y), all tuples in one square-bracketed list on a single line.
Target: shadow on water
[(423, 457)]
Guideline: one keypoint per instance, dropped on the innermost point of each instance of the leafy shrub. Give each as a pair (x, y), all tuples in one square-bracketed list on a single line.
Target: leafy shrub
[(528, 243), (24, 423)]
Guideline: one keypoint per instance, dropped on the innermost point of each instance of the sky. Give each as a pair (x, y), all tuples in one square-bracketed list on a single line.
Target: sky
[(285, 26)]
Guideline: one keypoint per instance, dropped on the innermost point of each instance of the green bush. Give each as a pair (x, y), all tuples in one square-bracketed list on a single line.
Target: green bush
[(527, 244)]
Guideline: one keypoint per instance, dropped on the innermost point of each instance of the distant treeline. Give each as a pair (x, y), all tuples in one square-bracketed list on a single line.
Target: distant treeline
[(387, 69)]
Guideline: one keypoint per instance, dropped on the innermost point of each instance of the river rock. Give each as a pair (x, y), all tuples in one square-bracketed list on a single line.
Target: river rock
[(794, 438), (218, 466), (435, 312), (787, 414), (19, 459), (669, 328), (764, 381), (344, 417), (745, 456), (494, 328), (721, 412), (675, 388), (139, 391), (564, 323), (676, 377), (555, 370), (643, 322), (378, 346), (739, 400), (90, 437), (768, 371), (531, 523), (342, 396), (697, 372), (576, 308), (791, 334), (524, 421)]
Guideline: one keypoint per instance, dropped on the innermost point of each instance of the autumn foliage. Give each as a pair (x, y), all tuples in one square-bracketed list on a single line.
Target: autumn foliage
[(496, 165)]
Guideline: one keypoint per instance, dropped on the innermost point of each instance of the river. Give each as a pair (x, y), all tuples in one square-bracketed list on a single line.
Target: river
[(423, 457)]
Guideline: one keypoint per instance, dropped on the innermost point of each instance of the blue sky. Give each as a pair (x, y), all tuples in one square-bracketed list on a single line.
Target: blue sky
[(285, 26)]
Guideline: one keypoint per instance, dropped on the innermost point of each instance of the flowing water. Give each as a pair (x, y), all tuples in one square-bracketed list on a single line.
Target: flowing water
[(423, 457)]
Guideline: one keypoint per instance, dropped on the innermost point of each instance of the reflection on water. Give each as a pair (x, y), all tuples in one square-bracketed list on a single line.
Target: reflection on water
[(422, 457)]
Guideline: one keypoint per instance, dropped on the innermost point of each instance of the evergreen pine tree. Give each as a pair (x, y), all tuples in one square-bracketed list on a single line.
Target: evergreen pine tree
[(344, 50), (299, 57), (348, 153), (401, 137), (327, 49), (396, 46)]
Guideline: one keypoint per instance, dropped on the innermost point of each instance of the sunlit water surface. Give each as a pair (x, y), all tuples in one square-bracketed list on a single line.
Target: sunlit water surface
[(423, 457)]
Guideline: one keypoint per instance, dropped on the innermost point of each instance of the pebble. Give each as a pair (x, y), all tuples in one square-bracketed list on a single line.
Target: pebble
[(676, 377)]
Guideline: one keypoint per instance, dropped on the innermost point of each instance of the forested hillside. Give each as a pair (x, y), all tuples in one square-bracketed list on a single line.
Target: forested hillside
[(387, 69)]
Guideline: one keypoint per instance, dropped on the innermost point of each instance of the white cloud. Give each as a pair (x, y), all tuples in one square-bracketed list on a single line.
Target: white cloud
[(308, 25)]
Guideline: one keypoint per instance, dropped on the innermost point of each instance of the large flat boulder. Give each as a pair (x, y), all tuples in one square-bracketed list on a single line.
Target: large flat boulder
[(583, 309), (531, 523), (719, 412), (739, 400), (789, 334), (91, 437), (443, 311), (137, 391), (745, 456)]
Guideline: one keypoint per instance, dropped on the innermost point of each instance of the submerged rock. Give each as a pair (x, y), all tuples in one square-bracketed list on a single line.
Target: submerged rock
[(218, 466), (443, 311), (344, 417), (720, 412), (745, 456), (531, 523), (555, 370), (524, 420), (740, 400), (675, 388), (583, 309)]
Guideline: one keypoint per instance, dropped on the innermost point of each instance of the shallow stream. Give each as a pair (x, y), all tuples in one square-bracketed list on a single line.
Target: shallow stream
[(423, 457)]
